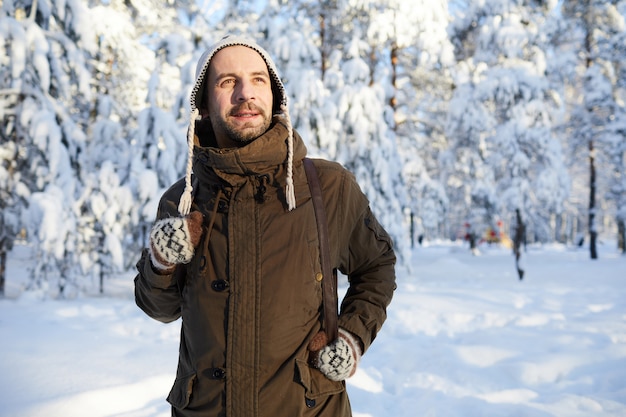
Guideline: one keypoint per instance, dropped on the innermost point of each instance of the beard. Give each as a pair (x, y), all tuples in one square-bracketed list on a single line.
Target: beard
[(239, 133)]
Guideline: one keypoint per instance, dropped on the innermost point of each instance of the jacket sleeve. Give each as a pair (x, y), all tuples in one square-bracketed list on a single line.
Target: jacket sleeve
[(368, 259), (159, 295)]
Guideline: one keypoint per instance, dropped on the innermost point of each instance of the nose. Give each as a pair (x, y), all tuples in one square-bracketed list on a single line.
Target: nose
[(245, 91)]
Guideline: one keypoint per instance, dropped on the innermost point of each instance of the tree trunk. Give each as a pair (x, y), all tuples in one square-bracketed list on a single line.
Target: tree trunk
[(327, 17), (324, 57), (621, 236), (593, 234), (412, 230), (3, 262), (394, 75), (101, 279), (518, 240)]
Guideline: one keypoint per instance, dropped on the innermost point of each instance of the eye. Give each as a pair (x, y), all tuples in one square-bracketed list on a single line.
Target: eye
[(227, 82)]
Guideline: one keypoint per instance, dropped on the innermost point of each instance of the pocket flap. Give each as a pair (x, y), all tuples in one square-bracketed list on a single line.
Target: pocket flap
[(314, 382), (181, 391)]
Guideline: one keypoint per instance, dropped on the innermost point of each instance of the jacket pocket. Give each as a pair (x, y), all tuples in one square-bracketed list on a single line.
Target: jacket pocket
[(180, 393), (315, 384)]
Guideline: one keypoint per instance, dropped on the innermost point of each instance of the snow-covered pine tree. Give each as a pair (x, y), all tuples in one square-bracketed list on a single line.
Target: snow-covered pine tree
[(503, 156), (73, 100), (107, 204), (590, 38), (565, 39), (152, 62), (14, 192), (415, 57), (366, 143), (616, 143), (105, 201), (49, 46), (617, 127)]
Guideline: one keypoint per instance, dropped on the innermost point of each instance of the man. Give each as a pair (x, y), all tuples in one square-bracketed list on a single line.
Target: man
[(235, 253)]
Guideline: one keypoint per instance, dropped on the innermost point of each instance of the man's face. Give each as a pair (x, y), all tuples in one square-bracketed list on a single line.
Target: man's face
[(240, 96)]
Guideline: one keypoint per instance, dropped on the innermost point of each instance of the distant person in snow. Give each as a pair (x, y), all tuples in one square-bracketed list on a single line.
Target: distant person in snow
[(235, 252)]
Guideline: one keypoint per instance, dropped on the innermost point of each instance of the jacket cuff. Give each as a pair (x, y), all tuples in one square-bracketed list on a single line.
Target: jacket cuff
[(353, 342), (354, 326), (158, 278)]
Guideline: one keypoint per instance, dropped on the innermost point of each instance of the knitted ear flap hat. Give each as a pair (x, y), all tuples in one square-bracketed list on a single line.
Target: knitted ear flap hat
[(199, 92)]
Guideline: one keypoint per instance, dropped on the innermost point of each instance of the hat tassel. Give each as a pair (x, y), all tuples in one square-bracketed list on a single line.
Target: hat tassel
[(289, 189), (184, 206)]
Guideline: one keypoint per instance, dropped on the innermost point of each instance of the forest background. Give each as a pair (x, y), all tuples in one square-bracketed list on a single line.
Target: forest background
[(460, 119)]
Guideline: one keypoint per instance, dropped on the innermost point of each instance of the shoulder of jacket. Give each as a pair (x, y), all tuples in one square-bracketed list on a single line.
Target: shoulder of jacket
[(336, 179), (329, 169), (326, 164)]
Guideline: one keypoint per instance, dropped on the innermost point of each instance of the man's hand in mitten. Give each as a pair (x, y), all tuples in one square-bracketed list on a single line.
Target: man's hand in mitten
[(173, 240), (337, 360)]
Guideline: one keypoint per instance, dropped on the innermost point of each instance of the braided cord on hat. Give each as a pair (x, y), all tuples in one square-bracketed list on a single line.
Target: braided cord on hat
[(289, 189), (184, 206)]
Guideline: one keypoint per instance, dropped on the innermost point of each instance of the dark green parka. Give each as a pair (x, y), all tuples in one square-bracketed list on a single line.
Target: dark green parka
[(249, 299)]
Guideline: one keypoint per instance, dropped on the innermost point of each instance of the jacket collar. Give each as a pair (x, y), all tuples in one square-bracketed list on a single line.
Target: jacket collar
[(266, 154)]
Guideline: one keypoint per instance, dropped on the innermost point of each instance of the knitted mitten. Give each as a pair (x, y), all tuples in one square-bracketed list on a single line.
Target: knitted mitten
[(337, 360), (173, 240)]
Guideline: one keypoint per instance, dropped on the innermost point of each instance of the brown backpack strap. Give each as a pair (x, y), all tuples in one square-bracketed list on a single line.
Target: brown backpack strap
[(329, 275)]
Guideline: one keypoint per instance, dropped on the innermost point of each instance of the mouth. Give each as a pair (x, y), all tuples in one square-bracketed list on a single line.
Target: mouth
[(245, 112)]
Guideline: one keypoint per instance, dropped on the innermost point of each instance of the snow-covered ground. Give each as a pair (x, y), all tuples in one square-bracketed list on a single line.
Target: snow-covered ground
[(464, 338)]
